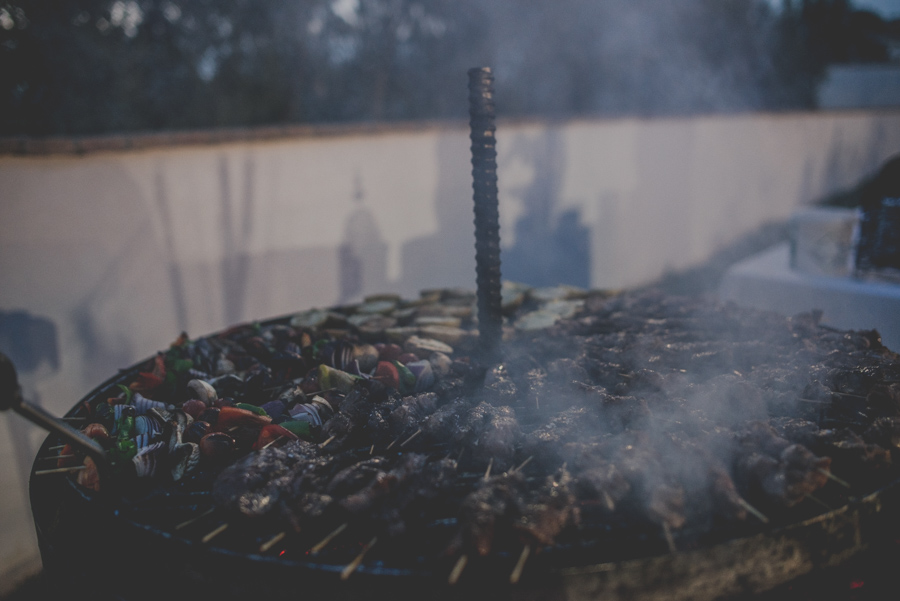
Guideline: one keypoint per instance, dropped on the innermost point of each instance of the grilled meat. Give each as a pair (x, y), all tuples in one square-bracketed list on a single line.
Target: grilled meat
[(676, 414)]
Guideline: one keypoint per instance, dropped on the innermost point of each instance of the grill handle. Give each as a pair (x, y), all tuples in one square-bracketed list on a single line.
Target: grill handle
[(11, 398)]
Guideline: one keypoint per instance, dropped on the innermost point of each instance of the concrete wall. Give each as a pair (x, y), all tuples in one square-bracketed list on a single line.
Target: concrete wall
[(106, 256)]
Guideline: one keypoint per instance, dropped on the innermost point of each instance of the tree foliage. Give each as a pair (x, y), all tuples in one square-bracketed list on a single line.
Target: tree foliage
[(95, 66)]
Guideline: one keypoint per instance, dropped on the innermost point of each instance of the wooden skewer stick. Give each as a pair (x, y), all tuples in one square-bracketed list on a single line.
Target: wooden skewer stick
[(853, 396), (819, 501), (194, 519), (610, 504), (60, 470), (271, 542), (351, 567), (524, 463), (487, 472), (324, 542), (56, 447), (325, 444), (396, 440), (271, 442), (321, 391), (756, 512), (670, 540), (54, 457), (372, 450), (214, 533), (835, 478), (520, 565), (457, 570), (416, 433)]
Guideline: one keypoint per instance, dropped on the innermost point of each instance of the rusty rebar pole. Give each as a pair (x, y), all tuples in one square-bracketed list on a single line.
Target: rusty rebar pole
[(487, 215)]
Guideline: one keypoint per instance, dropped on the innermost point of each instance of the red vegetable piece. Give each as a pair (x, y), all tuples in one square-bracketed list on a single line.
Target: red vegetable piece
[(147, 381), (69, 461), (270, 433), (231, 417), (387, 374)]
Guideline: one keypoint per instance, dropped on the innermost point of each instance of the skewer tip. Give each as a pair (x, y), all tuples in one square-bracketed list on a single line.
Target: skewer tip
[(520, 565), (523, 464), (357, 561), (186, 523), (324, 542), (215, 533), (416, 433), (831, 476), (670, 540), (271, 442), (457, 570), (753, 510), (271, 542), (60, 470)]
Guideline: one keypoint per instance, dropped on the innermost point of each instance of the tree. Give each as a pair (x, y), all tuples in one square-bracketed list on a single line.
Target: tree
[(95, 66)]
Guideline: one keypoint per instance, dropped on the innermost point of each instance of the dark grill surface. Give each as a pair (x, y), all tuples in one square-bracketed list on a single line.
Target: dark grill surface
[(155, 539)]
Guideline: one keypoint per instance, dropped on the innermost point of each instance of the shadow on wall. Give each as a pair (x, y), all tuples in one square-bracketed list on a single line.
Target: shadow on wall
[(362, 255), (29, 341), (446, 258), (551, 246), (236, 231)]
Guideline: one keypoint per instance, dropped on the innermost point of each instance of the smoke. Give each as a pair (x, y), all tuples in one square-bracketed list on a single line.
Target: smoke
[(641, 57), (662, 390)]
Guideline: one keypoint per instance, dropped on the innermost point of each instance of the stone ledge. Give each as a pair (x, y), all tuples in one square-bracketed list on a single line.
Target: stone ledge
[(79, 145)]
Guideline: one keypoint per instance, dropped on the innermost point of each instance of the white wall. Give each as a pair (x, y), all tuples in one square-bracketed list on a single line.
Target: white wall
[(121, 251)]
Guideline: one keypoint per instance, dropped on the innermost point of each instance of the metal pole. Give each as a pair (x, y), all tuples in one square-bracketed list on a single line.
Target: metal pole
[(487, 215)]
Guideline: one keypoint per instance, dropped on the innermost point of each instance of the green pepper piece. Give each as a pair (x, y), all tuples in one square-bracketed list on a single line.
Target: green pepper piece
[(129, 393), (122, 451), (182, 365), (407, 378), (300, 428)]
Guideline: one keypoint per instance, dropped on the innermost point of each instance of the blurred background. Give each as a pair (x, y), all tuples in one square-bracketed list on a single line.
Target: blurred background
[(97, 66), (184, 165)]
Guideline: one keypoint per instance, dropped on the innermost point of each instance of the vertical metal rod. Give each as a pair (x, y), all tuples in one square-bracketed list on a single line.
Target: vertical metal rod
[(487, 215)]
